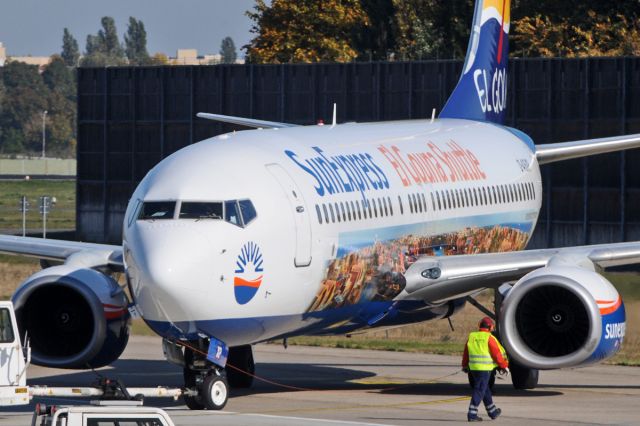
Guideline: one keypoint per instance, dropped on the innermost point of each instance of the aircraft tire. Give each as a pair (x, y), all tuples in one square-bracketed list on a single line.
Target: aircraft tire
[(240, 357), (215, 392), (192, 402), (523, 377)]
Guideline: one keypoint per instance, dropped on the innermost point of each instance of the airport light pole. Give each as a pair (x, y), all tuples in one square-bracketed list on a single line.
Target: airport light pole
[(44, 134)]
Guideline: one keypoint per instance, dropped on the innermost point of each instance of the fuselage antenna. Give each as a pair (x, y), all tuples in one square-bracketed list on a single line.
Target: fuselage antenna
[(433, 115), (335, 115)]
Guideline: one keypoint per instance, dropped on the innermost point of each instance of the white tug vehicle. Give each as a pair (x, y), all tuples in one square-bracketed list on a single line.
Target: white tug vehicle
[(116, 404)]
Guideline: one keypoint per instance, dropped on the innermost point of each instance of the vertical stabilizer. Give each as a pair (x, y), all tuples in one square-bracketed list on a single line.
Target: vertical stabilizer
[(481, 93)]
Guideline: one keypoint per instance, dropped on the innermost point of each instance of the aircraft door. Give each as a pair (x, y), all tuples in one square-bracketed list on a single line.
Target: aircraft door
[(300, 214)]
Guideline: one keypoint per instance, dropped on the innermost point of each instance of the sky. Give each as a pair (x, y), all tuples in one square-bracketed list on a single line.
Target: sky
[(34, 27)]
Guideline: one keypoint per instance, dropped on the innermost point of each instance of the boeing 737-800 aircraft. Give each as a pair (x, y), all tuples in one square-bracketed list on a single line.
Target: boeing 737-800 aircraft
[(289, 230)]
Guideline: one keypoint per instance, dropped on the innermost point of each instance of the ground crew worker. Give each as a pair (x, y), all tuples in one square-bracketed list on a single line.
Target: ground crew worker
[(482, 354)]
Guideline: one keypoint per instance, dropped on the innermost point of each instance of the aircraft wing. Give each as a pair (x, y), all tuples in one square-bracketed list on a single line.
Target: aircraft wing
[(550, 153), (84, 254), (441, 278), (248, 122)]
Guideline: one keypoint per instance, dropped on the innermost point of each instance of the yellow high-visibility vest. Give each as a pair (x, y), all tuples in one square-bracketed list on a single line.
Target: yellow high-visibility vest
[(479, 355)]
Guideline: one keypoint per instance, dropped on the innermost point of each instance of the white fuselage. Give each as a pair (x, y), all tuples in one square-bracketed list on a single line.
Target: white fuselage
[(340, 214)]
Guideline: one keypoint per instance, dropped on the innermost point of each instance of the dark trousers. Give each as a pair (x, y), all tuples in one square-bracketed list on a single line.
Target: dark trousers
[(481, 392)]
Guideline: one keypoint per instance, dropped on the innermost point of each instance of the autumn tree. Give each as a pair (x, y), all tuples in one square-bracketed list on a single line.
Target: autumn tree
[(587, 28), (305, 31)]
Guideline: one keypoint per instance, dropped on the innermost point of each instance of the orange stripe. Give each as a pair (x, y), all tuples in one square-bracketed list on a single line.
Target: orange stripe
[(237, 281), (605, 311)]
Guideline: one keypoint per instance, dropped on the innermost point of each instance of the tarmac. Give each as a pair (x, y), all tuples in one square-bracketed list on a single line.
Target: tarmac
[(321, 386)]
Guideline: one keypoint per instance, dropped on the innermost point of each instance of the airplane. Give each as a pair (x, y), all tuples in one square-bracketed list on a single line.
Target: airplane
[(287, 230)]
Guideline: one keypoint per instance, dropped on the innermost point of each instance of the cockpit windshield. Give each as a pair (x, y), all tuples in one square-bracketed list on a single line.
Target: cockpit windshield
[(152, 210), (201, 210), (235, 212)]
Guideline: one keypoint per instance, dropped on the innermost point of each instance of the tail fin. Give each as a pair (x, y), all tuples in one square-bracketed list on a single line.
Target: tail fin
[(481, 93)]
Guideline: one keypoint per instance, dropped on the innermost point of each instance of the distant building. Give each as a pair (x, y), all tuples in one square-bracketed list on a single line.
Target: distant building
[(191, 57), (40, 61)]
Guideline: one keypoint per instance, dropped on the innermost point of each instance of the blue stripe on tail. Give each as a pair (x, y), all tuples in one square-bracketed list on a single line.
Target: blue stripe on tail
[(481, 93)]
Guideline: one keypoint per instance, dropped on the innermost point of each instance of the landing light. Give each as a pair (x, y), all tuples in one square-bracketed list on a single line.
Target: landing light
[(432, 273)]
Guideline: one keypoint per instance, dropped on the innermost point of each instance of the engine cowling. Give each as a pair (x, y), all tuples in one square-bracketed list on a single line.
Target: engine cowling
[(562, 316), (74, 317)]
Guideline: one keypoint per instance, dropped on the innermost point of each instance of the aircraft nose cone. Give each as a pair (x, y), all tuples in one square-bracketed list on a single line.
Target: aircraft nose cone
[(173, 262)]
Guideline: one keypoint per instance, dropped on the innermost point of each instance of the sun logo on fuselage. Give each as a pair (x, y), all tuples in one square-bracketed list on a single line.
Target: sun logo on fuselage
[(249, 264)]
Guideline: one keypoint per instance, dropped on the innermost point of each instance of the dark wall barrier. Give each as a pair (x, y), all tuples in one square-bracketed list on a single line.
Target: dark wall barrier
[(131, 118)]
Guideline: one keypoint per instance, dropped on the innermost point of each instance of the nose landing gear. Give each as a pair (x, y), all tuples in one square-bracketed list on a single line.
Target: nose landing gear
[(207, 385)]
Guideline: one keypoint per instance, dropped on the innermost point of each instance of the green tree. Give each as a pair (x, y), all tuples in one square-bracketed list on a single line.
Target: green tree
[(378, 39), (135, 41), (104, 48), (26, 99), (70, 50), (61, 100), (305, 31), (228, 51)]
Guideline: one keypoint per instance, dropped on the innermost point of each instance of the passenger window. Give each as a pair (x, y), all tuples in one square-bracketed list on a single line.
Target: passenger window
[(466, 197), (433, 202), (326, 215), (152, 210), (348, 211), (344, 213), (338, 213), (400, 203), (364, 208), (475, 197), (438, 198), (333, 217), (249, 212), (375, 207), (449, 205), (390, 206), (410, 203), (231, 213), (199, 210), (358, 209), (319, 214), (424, 202), (494, 197)]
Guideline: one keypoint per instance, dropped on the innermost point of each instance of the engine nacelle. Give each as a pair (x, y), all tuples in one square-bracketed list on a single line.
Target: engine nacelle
[(73, 317), (562, 316)]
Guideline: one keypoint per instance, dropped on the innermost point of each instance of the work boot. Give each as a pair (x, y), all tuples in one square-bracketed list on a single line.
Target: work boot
[(496, 413), (474, 419)]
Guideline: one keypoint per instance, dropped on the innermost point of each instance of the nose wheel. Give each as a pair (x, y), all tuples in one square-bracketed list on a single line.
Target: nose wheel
[(206, 386)]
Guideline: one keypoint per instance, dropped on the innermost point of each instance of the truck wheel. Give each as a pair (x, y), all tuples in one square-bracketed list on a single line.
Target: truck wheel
[(215, 392)]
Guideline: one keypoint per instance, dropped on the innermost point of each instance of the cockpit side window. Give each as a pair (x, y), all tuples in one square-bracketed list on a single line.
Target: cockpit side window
[(247, 210), (231, 213), (152, 210), (201, 210)]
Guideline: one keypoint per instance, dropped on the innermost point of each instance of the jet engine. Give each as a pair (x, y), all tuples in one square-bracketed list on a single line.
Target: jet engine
[(562, 316), (73, 317)]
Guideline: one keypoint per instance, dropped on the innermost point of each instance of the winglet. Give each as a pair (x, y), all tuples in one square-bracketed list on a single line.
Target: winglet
[(481, 93), (248, 122)]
